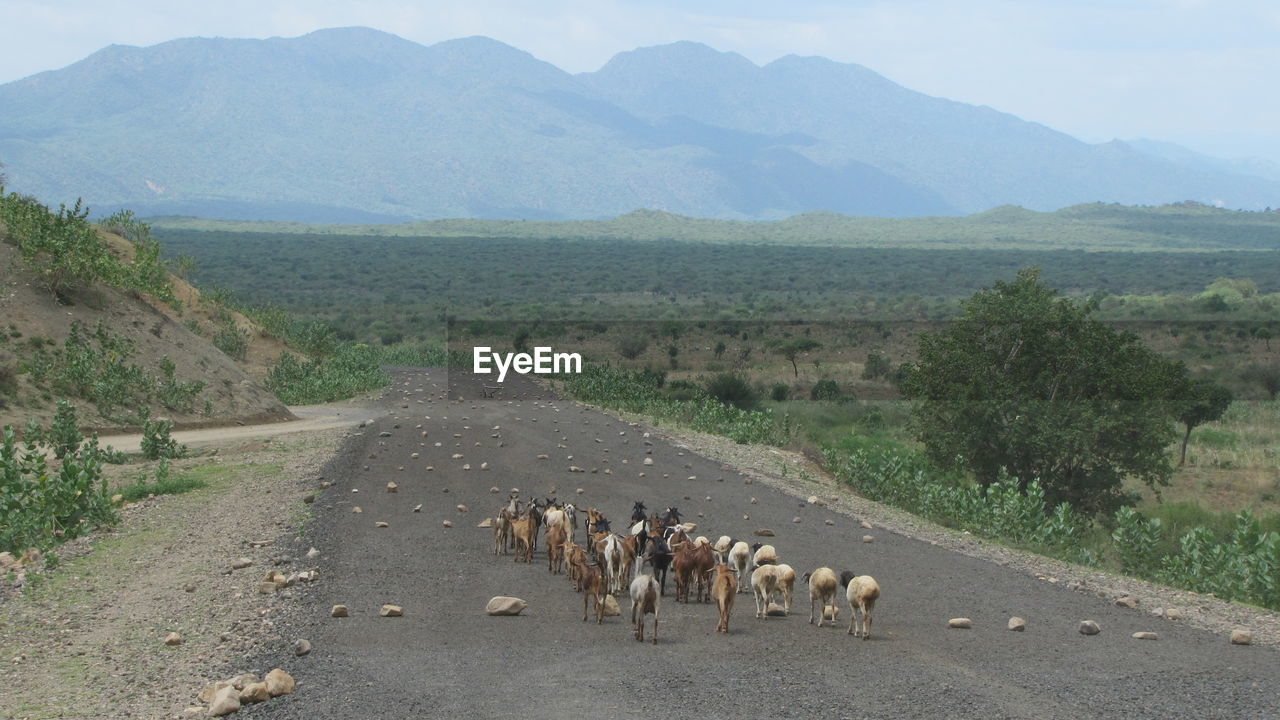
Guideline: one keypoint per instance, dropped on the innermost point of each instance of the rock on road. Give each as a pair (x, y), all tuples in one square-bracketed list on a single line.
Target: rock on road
[(446, 658)]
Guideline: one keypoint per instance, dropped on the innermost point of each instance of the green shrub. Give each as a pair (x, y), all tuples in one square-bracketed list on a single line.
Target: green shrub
[(41, 505), (734, 390), (877, 366), (638, 392), (1137, 542), (231, 340), (157, 440), (825, 390), (176, 394), (164, 483), (94, 366), (779, 392)]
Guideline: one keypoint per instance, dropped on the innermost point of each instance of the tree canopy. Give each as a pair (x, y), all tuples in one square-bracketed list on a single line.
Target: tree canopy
[(1027, 384)]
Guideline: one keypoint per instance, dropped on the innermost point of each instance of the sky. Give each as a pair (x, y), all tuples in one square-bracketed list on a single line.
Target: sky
[(1201, 73)]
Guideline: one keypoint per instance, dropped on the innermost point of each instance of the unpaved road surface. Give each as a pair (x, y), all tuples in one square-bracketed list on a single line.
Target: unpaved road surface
[(446, 658), (310, 419)]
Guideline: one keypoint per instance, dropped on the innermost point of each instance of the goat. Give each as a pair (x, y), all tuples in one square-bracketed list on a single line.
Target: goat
[(845, 577), (786, 585), (671, 517), (724, 588), (571, 517), (502, 532), (573, 554), (644, 601), (862, 594), (659, 558), (610, 549), (535, 512), (524, 531), (765, 555), (553, 517), (630, 550), (822, 589), (764, 581), (704, 561), (676, 538), (721, 548), (739, 557), (637, 511), (593, 586), (556, 537)]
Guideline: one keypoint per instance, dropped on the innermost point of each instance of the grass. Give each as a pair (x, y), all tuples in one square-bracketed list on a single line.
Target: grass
[(162, 485)]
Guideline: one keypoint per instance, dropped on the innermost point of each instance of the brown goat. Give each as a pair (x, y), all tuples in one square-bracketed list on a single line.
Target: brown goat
[(524, 530), (556, 537), (593, 586), (630, 548), (724, 589), (574, 554)]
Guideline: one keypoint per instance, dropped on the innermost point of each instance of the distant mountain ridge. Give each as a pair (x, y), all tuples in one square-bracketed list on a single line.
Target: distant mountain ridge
[(357, 125)]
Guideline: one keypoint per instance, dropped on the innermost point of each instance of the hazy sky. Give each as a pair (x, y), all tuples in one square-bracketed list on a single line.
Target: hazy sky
[(1200, 72)]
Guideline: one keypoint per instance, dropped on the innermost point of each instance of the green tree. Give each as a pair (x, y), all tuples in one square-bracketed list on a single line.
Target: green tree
[(1268, 376), (734, 390), (792, 349), (1201, 401), (1027, 384), (633, 346)]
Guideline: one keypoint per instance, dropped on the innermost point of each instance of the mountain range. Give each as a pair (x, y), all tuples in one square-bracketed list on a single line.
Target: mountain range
[(358, 125)]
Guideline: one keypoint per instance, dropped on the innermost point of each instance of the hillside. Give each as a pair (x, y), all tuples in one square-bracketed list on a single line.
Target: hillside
[(118, 365), (1180, 227), (358, 126)]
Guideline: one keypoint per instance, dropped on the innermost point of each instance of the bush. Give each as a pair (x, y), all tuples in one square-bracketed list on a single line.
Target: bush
[(164, 483), (636, 391), (825, 390), (94, 366), (231, 340), (158, 442), (779, 392), (734, 390), (41, 506), (176, 394), (633, 346), (877, 366)]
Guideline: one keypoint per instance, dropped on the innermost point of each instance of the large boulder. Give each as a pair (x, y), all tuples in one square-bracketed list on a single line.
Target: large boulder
[(254, 693), (278, 683), (225, 701), (503, 605)]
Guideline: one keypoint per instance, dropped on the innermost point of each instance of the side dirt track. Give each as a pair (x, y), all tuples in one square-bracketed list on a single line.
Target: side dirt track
[(446, 658)]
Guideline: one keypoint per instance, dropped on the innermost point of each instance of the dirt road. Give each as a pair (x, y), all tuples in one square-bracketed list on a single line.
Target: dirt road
[(446, 658), (310, 419)]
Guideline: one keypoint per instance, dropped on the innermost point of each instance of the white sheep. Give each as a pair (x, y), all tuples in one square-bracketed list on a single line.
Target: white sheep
[(786, 584), (765, 555), (822, 589), (764, 582), (862, 594), (739, 558), (721, 549)]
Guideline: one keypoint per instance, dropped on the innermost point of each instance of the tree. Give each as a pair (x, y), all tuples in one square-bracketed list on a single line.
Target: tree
[(733, 390), (1268, 376), (1264, 334), (632, 346), (792, 349), (1028, 385), (1201, 401)]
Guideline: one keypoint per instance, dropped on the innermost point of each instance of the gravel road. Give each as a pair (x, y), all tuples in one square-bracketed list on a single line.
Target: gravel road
[(446, 658)]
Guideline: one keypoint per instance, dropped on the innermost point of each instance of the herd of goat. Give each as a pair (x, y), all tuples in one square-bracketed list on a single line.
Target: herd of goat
[(714, 571)]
